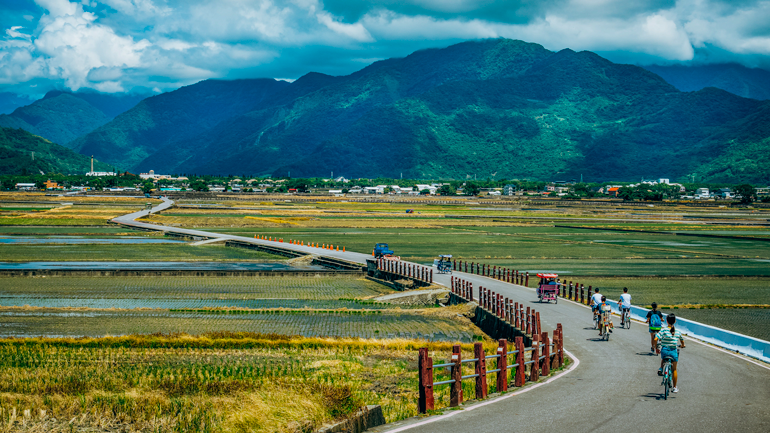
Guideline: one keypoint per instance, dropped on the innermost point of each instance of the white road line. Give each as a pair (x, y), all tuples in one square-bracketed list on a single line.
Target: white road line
[(433, 419)]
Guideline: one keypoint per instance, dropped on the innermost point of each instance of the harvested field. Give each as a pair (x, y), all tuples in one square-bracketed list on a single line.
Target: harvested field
[(113, 252), (212, 383), (409, 324), (222, 288)]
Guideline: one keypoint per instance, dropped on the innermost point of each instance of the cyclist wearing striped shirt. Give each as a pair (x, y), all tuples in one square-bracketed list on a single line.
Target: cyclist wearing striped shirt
[(667, 340)]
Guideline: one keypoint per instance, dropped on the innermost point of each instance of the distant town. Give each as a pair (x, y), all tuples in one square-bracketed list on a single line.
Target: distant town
[(154, 183)]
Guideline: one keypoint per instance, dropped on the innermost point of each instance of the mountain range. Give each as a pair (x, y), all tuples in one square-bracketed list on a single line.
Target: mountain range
[(489, 108)]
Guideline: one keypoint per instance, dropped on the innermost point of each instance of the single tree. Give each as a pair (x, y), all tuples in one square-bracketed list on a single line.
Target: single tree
[(747, 192)]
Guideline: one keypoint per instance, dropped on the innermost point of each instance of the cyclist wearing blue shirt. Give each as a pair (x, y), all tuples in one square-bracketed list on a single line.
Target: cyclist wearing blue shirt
[(667, 339)]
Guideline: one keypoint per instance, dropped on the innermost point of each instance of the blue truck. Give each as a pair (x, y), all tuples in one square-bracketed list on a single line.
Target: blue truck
[(381, 250)]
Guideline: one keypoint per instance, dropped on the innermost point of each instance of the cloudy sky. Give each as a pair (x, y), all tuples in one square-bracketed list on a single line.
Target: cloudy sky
[(125, 45)]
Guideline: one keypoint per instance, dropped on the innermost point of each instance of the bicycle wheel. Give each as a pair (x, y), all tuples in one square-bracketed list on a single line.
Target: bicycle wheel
[(628, 321), (666, 380)]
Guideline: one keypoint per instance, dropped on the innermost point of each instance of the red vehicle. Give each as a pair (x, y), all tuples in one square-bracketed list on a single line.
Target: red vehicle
[(548, 289)]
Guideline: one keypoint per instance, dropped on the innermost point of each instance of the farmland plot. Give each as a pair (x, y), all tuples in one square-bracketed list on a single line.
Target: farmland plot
[(210, 383), (30, 322)]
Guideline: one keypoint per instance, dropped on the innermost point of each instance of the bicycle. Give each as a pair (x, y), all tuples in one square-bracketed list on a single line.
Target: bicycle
[(625, 318), (604, 325), (668, 375), (596, 318)]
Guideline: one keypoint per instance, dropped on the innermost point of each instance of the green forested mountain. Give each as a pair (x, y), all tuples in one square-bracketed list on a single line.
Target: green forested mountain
[(175, 116), (59, 117), (62, 116), (16, 155), (492, 108)]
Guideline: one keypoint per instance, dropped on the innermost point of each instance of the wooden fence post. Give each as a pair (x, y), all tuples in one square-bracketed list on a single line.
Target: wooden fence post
[(590, 293), (555, 352), (481, 370), (570, 290), (527, 282), (529, 323), (506, 310), (561, 344), (425, 399), (546, 366), (431, 275), (537, 322), (502, 365), (456, 390), (517, 324), (534, 372), (519, 378)]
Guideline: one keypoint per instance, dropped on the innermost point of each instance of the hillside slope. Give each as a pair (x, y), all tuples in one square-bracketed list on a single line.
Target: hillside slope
[(17, 146), (59, 117), (179, 115)]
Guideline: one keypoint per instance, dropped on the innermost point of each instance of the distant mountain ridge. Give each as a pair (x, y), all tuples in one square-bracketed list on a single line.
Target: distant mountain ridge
[(751, 83), (489, 108), (63, 116)]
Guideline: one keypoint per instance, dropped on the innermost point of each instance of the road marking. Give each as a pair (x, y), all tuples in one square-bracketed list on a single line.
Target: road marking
[(504, 397)]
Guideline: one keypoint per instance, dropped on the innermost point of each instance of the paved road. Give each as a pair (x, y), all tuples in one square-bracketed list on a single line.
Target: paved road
[(615, 387)]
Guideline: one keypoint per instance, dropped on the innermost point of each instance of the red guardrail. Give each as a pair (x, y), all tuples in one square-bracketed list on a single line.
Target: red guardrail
[(406, 270), (527, 320), (544, 355), (498, 273)]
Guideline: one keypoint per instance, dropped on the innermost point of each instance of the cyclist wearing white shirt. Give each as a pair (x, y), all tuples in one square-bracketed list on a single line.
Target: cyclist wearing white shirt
[(596, 300), (625, 303)]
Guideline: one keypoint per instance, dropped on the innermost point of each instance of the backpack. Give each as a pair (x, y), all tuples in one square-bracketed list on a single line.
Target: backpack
[(655, 321)]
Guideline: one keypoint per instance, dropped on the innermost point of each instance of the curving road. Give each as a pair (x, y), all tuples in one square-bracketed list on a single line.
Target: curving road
[(615, 387)]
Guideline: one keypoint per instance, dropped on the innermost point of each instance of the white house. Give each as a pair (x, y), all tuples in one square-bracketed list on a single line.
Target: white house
[(430, 188), (702, 193)]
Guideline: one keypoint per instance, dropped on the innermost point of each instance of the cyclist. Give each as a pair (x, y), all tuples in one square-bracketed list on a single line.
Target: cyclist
[(596, 300), (605, 315), (624, 304), (667, 339), (654, 320)]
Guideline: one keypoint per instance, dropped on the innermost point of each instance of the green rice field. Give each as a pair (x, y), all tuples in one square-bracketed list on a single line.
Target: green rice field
[(754, 322), (681, 291)]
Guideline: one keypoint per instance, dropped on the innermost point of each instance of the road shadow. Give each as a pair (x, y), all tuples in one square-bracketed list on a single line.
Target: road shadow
[(654, 395), (596, 339), (646, 354)]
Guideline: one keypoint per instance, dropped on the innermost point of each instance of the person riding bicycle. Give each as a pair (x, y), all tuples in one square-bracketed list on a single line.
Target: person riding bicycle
[(655, 321), (624, 304), (667, 339), (605, 315), (596, 300)]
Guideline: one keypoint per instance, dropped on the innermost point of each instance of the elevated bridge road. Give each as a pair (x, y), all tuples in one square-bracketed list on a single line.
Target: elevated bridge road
[(615, 387)]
